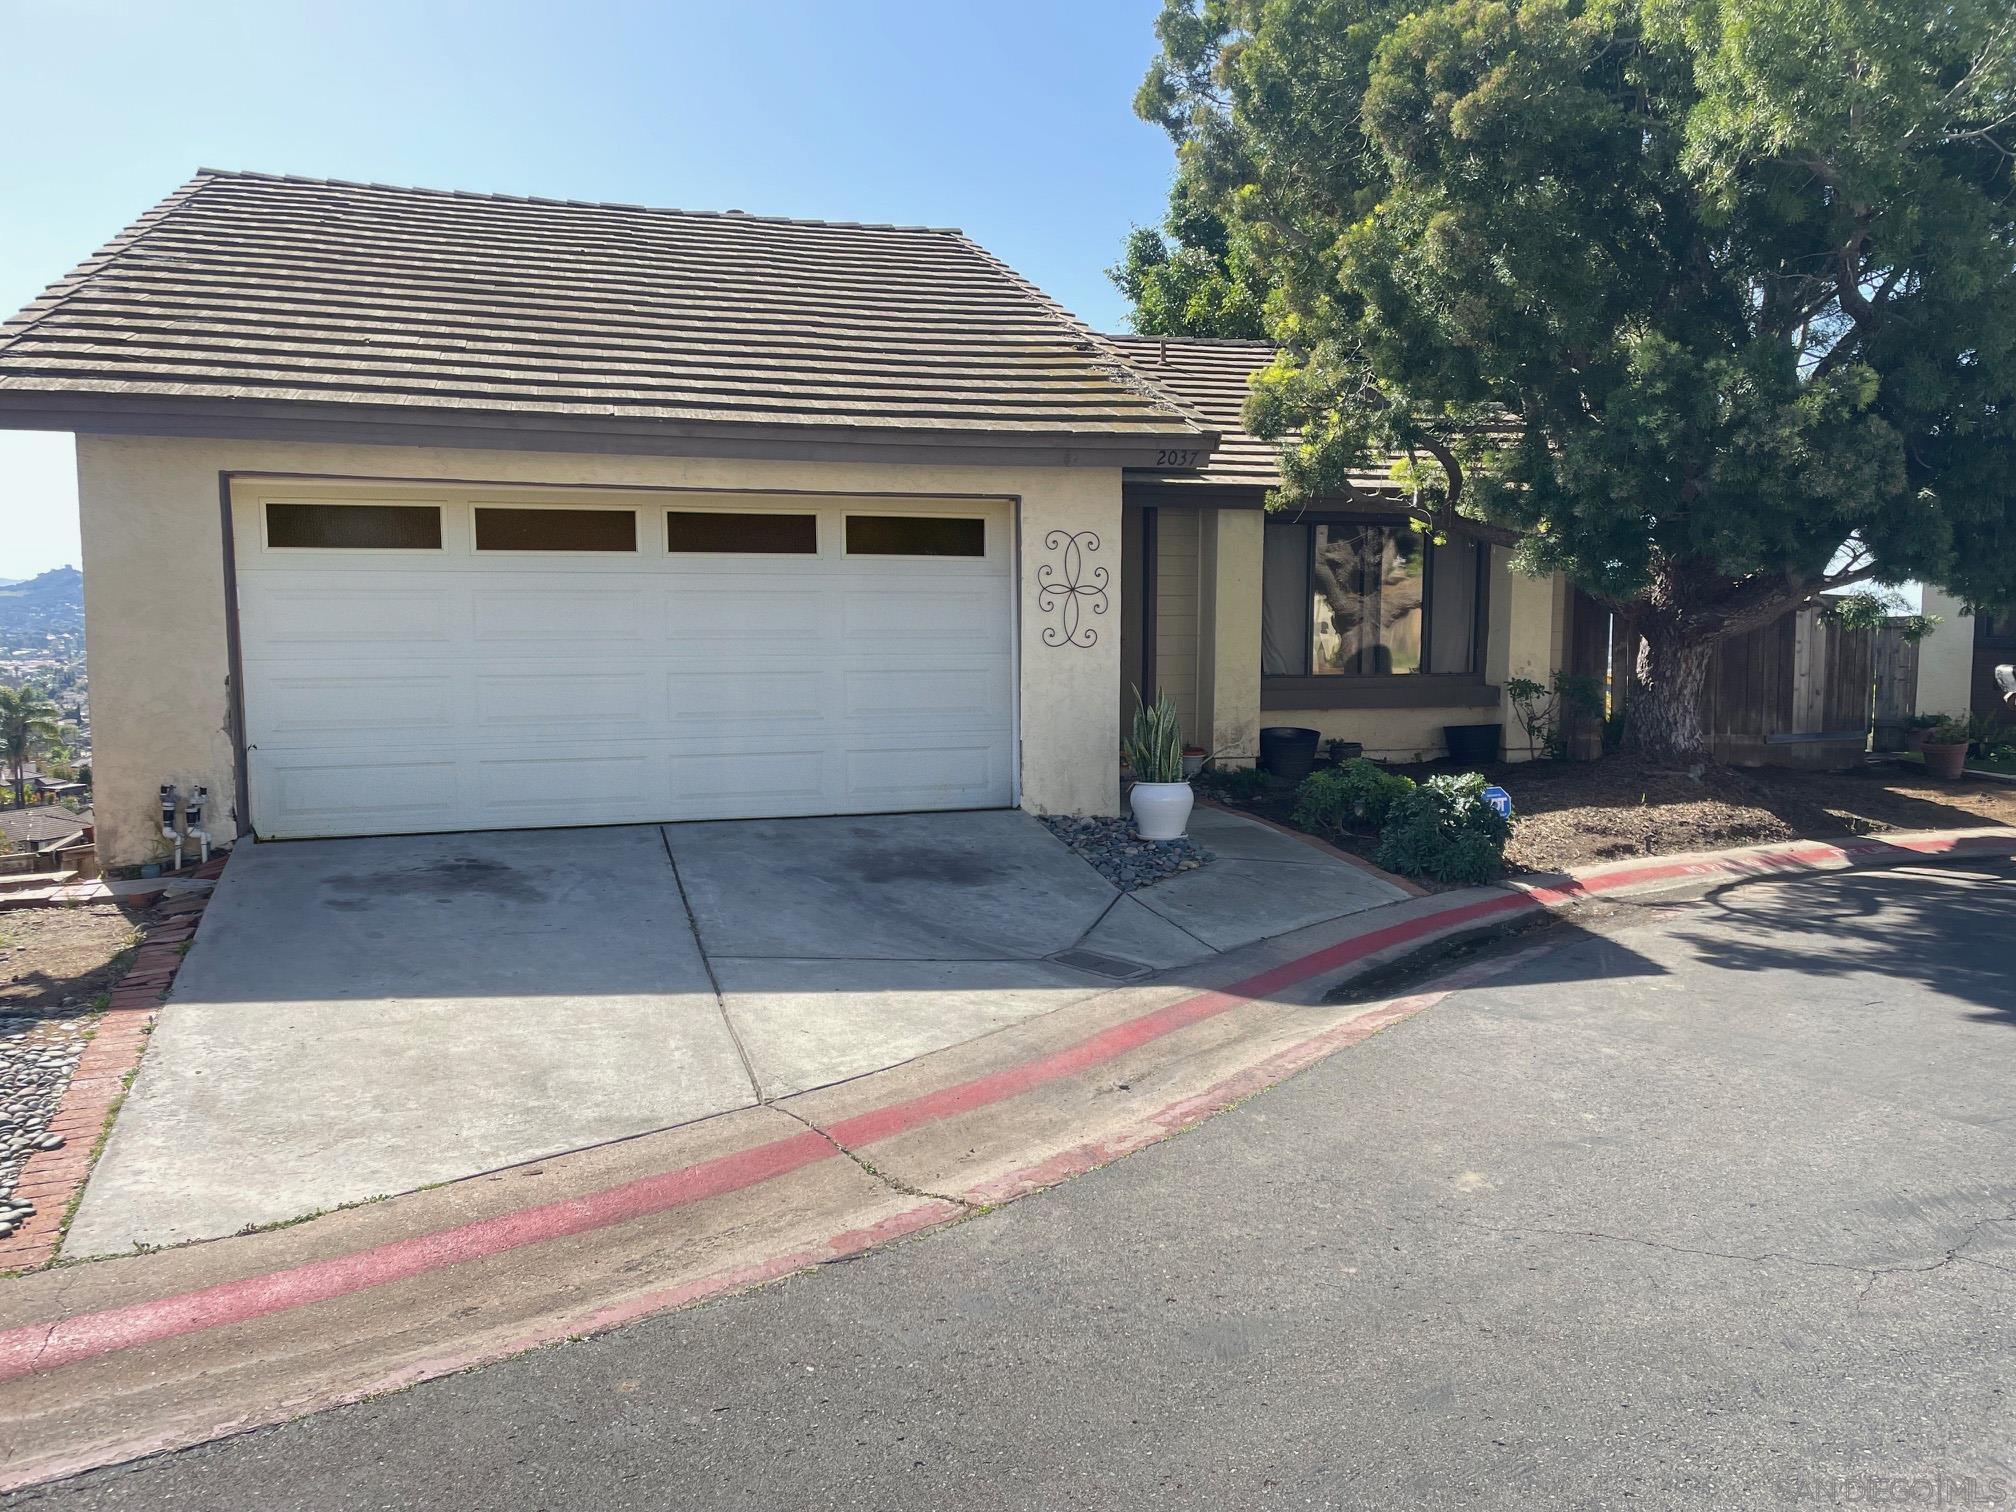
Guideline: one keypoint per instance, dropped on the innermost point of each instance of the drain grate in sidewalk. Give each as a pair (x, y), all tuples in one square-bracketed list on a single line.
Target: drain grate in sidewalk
[(1117, 967)]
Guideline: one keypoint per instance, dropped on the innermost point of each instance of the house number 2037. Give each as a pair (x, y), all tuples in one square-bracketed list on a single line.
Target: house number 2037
[(1168, 458)]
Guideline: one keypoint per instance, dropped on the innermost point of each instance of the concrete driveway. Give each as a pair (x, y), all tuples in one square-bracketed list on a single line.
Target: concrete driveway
[(365, 1017)]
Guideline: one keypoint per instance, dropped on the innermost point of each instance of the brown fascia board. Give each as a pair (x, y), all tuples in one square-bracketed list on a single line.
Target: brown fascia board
[(1148, 492), (399, 425)]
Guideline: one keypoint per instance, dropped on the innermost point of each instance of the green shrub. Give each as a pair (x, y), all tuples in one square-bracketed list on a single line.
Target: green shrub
[(1951, 730), (1445, 829), (1355, 796), (1155, 748)]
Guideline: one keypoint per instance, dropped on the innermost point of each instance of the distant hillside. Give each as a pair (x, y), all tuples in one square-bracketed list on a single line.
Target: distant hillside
[(52, 604)]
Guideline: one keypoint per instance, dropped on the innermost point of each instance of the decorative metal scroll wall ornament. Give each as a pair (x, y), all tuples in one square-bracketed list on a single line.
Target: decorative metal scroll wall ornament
[(1069, 589)]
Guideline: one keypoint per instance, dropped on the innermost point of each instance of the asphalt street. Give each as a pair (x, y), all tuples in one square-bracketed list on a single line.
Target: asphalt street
[(1694, 1203)]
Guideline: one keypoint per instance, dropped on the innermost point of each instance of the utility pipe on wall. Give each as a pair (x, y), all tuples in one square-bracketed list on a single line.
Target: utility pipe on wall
[(170, 800), (193, 820)]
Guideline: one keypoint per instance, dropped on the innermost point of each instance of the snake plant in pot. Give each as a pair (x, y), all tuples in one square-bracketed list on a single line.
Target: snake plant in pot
[(1160, 797)]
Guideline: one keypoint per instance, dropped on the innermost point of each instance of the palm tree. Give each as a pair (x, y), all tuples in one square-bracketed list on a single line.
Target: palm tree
[(28, 726)]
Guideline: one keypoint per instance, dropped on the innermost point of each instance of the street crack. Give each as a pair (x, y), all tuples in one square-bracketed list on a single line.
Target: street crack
[(1953, 1255), (894, 1183)]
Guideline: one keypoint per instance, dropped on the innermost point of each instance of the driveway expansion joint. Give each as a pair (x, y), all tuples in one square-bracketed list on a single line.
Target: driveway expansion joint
[(707, 962)]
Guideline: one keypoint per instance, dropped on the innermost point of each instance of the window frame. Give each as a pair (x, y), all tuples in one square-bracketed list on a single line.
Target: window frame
[(1310, 689)]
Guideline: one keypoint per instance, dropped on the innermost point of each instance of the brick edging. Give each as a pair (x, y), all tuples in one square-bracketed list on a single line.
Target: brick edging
[(52, 1179)]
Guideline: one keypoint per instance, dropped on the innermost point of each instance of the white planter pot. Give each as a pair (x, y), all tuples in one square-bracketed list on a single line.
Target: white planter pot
[(1161, 809)]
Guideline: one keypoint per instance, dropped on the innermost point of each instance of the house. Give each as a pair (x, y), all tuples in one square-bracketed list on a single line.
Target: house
[(1340, 617), (407, 511), (41, 831)]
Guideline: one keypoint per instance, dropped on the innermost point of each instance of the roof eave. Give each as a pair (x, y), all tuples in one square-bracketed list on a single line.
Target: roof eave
[(410, 425)]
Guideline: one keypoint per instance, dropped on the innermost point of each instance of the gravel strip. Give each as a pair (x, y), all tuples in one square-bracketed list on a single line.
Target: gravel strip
[(1123, 857), (37, 1057)]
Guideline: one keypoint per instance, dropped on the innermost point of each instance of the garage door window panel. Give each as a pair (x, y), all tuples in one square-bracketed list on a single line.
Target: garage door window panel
[(353, 527), (916, 535), (515, 529), (716, 531)]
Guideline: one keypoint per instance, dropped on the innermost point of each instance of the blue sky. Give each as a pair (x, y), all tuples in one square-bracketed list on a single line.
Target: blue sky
[(1010, 121)]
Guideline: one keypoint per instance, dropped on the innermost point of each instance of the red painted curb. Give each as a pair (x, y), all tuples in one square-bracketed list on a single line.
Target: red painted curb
[(45, 1346), (36, 1348)]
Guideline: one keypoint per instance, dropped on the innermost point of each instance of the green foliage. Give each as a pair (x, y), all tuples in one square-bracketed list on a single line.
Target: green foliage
[(1871, 608), (1544, 709), (1689, 294), (29, 726), (1949, 731), (1155, 749), (1446, 830), (1356, 795), (1985, 731), (1192, 278)]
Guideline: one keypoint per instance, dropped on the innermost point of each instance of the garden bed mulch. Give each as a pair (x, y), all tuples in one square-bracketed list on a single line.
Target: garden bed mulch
[(1581, 813)]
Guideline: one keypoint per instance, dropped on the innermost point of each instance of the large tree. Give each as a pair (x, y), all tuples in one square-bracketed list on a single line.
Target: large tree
[(30, 725), (1709, 303), (1191, 277)]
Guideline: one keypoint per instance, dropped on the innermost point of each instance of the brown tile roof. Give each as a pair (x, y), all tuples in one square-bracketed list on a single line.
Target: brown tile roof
[(251, 287), (36, 827), (1213, 377)]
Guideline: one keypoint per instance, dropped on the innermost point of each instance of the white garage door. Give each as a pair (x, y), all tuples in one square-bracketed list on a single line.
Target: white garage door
[(424, 661)]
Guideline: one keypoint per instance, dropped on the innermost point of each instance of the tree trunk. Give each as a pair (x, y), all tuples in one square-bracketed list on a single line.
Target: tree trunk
[(1665, 714)]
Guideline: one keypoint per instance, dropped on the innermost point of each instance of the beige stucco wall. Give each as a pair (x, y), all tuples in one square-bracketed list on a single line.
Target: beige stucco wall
[(1946, 657), (155, 600), (1527, 638)]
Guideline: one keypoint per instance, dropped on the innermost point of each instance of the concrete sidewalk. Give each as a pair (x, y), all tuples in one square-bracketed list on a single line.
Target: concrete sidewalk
[(360, 1018), (104, 1361)]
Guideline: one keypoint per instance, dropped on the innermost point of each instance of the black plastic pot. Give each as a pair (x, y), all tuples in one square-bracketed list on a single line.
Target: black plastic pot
[(1288, 752), (1475, 745)]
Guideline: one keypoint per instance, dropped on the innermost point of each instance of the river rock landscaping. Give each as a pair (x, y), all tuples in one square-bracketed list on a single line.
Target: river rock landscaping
[(1123, 857), (56, 965)]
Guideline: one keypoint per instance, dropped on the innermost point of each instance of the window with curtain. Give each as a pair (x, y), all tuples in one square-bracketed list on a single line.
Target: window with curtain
[(1348, 599)]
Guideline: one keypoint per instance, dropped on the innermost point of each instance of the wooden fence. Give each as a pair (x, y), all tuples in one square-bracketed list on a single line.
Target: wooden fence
[(1895, 660), (1797, 692)]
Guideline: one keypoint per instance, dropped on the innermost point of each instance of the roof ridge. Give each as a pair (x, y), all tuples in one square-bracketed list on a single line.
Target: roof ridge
[(308, 181)]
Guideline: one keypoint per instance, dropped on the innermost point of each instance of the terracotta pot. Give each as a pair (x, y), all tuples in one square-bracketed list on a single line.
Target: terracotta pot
[(1914, 740), (1946, 762)]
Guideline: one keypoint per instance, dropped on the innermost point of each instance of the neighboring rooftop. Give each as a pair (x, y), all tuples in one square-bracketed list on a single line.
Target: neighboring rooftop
[(1213, 377), (290, 291), (35, 827)]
